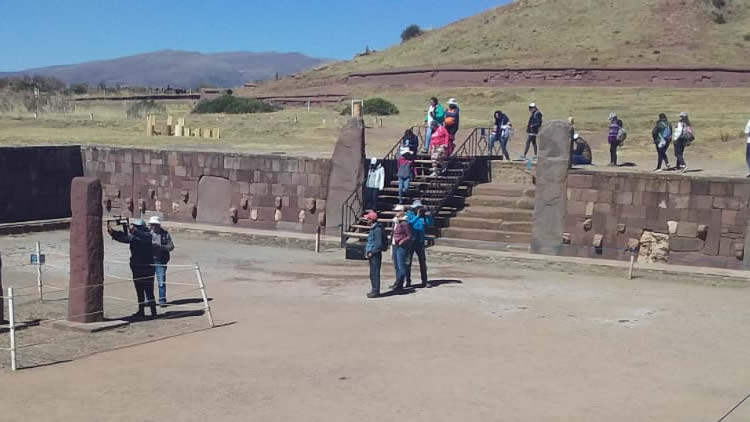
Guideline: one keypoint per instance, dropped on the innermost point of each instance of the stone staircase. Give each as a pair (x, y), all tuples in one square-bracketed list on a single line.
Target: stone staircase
[(495, 216)]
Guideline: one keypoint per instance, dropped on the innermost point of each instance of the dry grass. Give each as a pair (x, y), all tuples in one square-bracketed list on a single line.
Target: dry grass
[(719, 115), (573, 33)]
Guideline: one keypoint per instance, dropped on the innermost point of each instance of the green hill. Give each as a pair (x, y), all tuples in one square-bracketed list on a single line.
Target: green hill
[(576, 33)]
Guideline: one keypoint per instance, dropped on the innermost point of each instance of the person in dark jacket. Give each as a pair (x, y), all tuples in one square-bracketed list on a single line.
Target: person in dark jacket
[(615, 125), (141, 262), (503, 130), (162, 246), (452, 119), (532, 129), (418, 220), (662, 135), (411, 141), (374, 252)]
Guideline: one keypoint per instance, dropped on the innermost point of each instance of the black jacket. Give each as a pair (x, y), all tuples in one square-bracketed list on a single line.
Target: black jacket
[(141, 252), (535, 122)]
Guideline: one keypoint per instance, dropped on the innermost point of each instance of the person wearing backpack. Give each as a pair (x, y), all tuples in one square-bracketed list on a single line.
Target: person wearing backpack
[(683, 136), (405, 172), (615, 137), (662, 136), (532, 129), (502, 132), (452, 116), (747, 147), (410, 140)]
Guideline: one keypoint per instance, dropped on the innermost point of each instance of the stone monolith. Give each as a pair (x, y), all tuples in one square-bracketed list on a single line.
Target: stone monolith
[(86, 292), (551, 188), (347, 172)]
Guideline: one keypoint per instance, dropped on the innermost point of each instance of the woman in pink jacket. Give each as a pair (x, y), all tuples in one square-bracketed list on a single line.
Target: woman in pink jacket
[(441, 148)]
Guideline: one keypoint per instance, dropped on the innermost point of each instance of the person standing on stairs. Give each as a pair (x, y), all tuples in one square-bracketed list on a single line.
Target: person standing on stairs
[(374, 184), (435, 113), (377, 241), (440, 149), (411, 141), (452, 119), (405, 172), (418, 220), (400, 243), (532, 129)]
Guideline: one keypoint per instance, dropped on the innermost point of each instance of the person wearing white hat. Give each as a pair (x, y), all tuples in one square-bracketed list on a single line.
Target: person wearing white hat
[(532, 129), (452, 117), (400, 244), (682, 137), (162, 246), (374, 184), (141, 262)]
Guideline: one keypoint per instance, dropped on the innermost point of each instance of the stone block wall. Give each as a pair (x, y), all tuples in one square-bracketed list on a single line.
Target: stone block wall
[(35, 182), (267, 191), (703, 218)]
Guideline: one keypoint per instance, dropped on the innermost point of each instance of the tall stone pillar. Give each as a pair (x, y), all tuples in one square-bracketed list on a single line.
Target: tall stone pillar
[(86, 291), (347, 170), (551, 188)]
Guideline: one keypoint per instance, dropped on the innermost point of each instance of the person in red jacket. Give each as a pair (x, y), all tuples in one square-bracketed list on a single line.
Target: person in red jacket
[(441, 148)]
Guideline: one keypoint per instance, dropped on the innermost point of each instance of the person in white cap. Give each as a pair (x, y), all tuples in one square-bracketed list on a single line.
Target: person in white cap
[(682, 137), (532, 129), (400, 244), (374, 184), (141, 262), (162, 246), (452, 118)]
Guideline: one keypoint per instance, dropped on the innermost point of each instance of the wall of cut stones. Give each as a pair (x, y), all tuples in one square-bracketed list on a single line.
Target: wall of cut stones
[(35, 182), (664, 218), (265, 191)]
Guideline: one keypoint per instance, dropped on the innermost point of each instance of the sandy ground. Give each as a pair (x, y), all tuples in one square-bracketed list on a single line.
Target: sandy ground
[(494, 341)]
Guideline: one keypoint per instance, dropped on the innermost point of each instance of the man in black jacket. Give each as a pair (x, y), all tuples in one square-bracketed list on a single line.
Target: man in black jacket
[(532, 129), (141, 262)]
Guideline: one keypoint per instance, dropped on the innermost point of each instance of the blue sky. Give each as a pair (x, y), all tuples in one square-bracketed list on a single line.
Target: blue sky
[(37, 33)]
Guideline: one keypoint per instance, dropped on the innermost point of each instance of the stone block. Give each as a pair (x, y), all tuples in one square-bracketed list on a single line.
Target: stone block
[(728, 217), (721, 189), (624, 198), (741, 191), (685, 244), (602, 208), (685, 186), (633, 211), (726, 202), (605, 196), (687, 229), (584, 181), (703, 202), (656, 185), (726, 246), (678, 201), (673, 186), (576, 208)]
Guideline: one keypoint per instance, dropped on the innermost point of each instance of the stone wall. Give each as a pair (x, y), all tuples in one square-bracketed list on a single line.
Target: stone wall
[(35, 182), (701, 220), (257, 191)]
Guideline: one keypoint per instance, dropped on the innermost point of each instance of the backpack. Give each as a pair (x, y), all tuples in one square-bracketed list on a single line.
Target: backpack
[(687, 133), (668, 132), (621, 135), (404, 171)]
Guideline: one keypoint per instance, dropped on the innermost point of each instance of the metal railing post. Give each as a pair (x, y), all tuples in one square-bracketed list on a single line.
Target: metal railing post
[(12, 322), (39, 272), (202, 286)]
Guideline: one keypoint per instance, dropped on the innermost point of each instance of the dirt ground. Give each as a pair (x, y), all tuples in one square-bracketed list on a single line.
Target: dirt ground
[(496, 340)]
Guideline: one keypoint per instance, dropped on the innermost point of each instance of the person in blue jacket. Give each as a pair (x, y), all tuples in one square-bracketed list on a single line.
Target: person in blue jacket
[(418, 220), (376, 244)]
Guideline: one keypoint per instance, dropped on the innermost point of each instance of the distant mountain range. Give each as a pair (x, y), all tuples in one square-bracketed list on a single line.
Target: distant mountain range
[(180, 69)]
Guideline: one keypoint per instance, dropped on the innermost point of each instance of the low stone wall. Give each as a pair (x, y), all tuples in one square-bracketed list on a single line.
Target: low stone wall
[(35, 182), (257, 191), (672, 218)]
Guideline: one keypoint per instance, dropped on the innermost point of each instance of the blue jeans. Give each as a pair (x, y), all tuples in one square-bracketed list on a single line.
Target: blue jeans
[(427, 136), (161, 280), (399, 263), (403, 186), (579, 160)]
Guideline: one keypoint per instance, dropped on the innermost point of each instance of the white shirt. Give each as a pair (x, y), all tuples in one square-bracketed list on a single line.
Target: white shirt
[(429, 114), (747, 131)]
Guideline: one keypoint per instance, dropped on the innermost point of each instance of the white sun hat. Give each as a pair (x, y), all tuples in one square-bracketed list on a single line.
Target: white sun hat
[(154, 220)]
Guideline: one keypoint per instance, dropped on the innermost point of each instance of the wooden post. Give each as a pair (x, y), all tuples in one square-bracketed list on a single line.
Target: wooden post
[(202, 286)]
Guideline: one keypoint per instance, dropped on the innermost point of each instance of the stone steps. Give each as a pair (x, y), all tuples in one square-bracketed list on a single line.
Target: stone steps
[(525, 203), (505, 190), (486, 235), (498, 213)]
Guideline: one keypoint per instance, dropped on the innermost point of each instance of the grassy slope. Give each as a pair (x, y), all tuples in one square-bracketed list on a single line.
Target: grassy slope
[(574, 32)]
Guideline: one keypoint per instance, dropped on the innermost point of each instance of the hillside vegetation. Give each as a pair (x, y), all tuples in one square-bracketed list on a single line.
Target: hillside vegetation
[(576, 33)]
